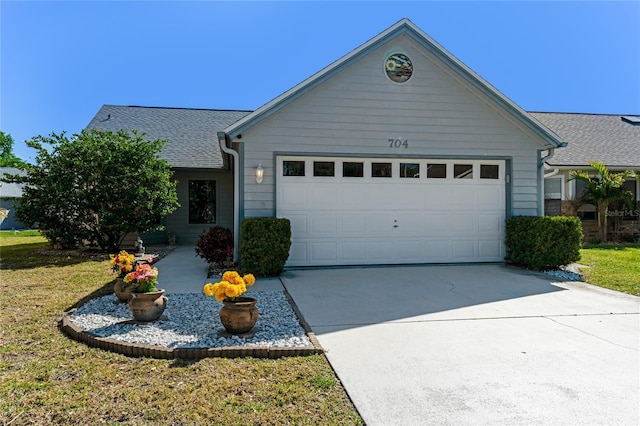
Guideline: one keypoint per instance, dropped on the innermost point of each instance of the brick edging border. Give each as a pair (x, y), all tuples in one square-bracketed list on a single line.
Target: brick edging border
[(160, 352)]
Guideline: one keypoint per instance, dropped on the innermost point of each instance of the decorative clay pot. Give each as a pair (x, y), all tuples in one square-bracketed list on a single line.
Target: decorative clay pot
[(122, 292), (147, 306), (239, 317)]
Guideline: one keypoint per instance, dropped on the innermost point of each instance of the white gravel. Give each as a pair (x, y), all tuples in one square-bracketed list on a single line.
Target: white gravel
[(191, 321), (565, 275)]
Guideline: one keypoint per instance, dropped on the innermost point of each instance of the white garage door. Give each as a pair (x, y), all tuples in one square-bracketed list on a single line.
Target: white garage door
[(358, 211)]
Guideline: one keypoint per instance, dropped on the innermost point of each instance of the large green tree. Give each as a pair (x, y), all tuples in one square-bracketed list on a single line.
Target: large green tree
[(602, 190), (96, 187), (7, 157)]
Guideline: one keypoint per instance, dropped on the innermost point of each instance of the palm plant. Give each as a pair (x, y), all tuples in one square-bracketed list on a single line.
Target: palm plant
[(602, 190)]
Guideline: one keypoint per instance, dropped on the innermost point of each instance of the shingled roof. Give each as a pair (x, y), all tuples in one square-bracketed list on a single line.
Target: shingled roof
[(191, 133), (604, 137), (192, 140)]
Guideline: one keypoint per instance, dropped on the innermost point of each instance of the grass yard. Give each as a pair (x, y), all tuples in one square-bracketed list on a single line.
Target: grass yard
[(616, 267), (47, 378)]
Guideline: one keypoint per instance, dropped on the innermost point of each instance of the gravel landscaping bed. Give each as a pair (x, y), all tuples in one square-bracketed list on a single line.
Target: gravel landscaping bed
[(191, 321)]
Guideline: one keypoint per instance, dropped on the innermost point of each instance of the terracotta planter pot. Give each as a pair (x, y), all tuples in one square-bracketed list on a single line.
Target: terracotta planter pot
[(239, 317), (122, 292), (147, 306)]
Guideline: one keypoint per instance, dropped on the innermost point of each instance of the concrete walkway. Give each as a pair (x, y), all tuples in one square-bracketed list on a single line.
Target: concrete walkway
[(181, 271), (463, 345)]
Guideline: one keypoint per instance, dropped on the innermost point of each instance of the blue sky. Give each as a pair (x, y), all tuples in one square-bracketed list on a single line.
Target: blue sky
[(60, 61)]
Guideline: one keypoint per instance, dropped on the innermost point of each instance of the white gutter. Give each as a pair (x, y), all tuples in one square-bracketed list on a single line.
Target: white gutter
[(222, 140)]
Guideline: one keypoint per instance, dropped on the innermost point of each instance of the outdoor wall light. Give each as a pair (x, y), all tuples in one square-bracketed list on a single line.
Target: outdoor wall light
[(259, 173)]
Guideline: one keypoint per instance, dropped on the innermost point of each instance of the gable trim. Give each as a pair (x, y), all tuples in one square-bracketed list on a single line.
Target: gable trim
[(406, 27)]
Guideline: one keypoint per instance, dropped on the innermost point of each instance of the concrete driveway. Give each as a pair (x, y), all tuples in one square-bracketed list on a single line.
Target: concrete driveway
[(479, 344)]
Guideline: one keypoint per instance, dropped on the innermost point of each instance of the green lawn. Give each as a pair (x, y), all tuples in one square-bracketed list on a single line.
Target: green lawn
[(616, 267), (46, 378)]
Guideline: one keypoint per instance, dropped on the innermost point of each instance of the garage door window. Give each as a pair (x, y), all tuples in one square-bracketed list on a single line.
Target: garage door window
[(436, 171), (463, 171), (324, 168), (409, 170), (488, 171), (293, 168), (381, 170), (352, 169)]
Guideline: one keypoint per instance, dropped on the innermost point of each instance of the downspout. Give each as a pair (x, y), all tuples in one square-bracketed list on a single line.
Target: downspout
[(222, 140), (553, 173), (541, 162)]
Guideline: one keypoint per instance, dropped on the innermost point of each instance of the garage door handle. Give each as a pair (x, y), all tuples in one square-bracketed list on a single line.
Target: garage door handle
[(395, 223)]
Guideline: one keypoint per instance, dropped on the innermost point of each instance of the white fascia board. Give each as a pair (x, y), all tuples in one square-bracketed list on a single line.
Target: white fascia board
[(486, 88), (315, 80), (407, 27)]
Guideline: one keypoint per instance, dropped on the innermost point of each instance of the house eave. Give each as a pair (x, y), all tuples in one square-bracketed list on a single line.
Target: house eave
[(408, 28)]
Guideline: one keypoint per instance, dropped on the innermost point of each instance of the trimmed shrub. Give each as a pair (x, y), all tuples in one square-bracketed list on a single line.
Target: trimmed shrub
[(542, 243), (216, 245), (264, 245)]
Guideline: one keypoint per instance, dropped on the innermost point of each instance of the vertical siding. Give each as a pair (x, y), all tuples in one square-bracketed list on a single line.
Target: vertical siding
[(358, 110), (178, 221)]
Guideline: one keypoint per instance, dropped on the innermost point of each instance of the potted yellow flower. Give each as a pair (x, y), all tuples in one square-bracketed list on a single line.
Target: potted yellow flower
[(122, 263), (238, 314)]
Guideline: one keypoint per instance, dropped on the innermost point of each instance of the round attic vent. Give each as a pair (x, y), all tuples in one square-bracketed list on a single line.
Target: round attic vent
[(398, 67)]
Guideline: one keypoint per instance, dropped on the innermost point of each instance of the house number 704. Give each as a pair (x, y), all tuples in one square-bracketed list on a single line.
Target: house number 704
[(398, 143)]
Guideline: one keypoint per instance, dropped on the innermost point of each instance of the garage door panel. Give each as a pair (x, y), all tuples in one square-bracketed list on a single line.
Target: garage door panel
[(409, 250), (436, 223), (363, 220), (378, 223), (325, 251), (489, 249), (491, 197), (437, 249), (354, 252), (461, 223), (463, 249), (324, 224), (459, 198), (491, 223), (352, 224), (323, 198), (295, 198), (298, 223), (298, 253)]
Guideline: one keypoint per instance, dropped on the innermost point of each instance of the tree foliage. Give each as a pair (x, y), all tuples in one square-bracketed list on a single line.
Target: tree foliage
[(602, 190), (7, 157), (96, 187)]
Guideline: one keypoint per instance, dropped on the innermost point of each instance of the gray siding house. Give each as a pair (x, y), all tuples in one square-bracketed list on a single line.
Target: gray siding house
[(395, 153), (10, 195), (612, 139)]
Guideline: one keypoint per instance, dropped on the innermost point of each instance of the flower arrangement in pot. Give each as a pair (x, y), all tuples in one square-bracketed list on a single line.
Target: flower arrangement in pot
[(148, 302), (122, 263), (238, 314)]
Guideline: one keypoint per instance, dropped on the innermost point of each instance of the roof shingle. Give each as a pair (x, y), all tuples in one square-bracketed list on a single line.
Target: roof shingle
[(591, 137), (191, 133)]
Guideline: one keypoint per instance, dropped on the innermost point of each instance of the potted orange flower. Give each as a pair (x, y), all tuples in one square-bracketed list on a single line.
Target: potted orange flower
[(238, 314)]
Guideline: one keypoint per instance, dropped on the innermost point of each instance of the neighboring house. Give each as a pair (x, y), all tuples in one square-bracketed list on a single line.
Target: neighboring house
[(612, 139), (10, 195), (397, 153)]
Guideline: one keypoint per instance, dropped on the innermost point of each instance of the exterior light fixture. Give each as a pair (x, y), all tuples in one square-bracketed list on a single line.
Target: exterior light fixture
[(259, 173)]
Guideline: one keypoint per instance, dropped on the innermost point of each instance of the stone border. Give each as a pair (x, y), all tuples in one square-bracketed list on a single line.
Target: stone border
[(160, 352)]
